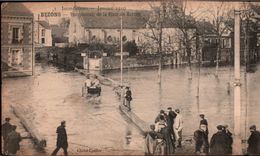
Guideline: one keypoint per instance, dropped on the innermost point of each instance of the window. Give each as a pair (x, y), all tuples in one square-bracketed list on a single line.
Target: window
[(15, 36), (43, 40), (16, 57), (43, 32)]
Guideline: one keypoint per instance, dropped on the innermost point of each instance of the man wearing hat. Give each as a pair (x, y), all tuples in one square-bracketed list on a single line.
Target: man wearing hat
[(128, 97), (218, 142), (230, 139), (253, 141), (204, 122), (201, 140), (170, 121), (178, 126), (62, 141), (13, 140), (6, 129)]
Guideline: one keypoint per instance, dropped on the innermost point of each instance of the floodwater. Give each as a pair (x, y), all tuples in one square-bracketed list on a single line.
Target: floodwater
[(54, 95), (177, 91)]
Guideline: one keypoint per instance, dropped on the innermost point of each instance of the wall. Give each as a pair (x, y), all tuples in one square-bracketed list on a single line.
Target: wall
[(25, 46)]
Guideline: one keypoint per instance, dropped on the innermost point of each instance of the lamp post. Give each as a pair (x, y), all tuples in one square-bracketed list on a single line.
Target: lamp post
[(237, 146)]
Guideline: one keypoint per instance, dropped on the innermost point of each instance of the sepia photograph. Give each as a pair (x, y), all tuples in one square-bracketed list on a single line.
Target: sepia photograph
[(155, 77)]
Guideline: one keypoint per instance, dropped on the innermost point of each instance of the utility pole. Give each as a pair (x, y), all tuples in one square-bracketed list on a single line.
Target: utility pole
[(237, 146), (121, 50), (38, 28), (121, 57)]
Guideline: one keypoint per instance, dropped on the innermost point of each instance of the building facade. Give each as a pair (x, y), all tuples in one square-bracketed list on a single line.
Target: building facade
[(42, 34), (17, 49)]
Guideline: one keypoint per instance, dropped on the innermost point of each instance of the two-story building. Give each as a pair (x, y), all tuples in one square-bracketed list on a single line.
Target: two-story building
[(17, 49), (42, 34), (89, 25)]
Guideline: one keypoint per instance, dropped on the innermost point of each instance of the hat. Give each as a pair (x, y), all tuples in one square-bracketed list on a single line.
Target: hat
[(177, 110), (169, 108), (253, 127), (161, 111), (202, 115), (63, 122), (219, 127), (7, 119)]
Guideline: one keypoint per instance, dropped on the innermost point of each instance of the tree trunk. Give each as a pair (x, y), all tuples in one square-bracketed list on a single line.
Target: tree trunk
[(189, 62), (217, 61), (160, 69)]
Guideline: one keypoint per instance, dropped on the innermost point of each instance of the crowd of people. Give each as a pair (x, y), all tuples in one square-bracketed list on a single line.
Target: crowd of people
[(166, 135), (11, 138), (166, 131)]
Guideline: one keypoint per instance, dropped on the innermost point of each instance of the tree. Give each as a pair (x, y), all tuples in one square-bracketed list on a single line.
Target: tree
[(186, 24), (220, 16), (155, 25), (131, 47)]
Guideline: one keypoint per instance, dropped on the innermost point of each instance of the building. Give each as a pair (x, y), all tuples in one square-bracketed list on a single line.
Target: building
[(17, 49), (211, 41), (42, 34), (88, 25), (91, 25)]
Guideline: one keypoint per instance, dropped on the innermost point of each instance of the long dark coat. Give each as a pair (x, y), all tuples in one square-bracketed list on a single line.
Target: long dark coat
[(254, 143), (170, 149), (6, 128), (62, 137), (13, 140), (219, 144), (201, 141), (230, 142)]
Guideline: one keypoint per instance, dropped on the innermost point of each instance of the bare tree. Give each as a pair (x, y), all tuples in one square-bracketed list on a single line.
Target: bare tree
[(186, 24), (219, 18), (155, 25)]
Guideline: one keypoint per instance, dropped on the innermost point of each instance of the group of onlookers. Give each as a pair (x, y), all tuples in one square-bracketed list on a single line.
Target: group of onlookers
[(168, 130), (11, 138)]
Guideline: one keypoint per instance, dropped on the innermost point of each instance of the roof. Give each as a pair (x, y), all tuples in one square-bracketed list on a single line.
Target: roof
[(132, 19), (58, 31), (205, 27), (44, 24), (15, 9)]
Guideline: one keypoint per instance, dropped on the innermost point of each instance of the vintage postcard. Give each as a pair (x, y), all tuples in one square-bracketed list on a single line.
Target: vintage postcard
[(173, 77)]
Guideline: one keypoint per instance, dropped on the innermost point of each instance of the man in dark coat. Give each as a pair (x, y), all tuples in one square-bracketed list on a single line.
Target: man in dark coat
[(201, 140), (62, 141), (170, 121), (218, 142), (230, 139), (128, 97), (13, 140), (6, 129), (204, 122), (253, 142)]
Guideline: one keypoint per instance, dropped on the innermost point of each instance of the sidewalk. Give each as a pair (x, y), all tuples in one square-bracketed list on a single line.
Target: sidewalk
[(26, 145)]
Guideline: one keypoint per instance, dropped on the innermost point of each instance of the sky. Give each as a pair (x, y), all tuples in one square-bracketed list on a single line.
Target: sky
[(197, 8)]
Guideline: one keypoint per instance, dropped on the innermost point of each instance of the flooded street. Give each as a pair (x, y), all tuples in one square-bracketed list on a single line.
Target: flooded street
[(178, 92), (53, 95)]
